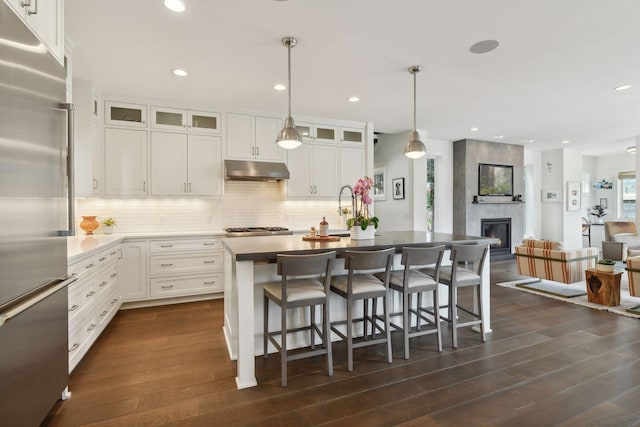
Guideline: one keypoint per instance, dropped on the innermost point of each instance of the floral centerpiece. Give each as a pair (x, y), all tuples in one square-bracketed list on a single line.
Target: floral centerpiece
[(362, 218)]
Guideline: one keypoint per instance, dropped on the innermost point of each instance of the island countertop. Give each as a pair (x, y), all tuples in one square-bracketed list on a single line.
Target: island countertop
[(266, 248)]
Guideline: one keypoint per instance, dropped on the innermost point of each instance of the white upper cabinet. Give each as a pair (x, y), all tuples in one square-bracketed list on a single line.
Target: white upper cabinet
[(352, 165), (185, 165), (89, 146), (173, 119), (312, 132), (44, 17), (253, 138), (352, 136), (125, 162), (314, 170), (124, 114)]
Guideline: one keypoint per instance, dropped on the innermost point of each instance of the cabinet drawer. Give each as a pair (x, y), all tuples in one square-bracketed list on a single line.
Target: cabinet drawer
[(80, 338), (185, 263), (166, 246), (108, 306), (83, 269), (188, 285), (82, 297), (106, 278), (106, 257)]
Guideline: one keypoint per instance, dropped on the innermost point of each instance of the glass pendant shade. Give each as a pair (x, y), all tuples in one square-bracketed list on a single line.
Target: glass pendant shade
[(289, 137), (415, 148)]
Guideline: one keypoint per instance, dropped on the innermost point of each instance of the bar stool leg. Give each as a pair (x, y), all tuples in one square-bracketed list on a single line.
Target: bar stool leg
[(406, 321), (312, 316), (418, 306), (365, 314), (479, 287), (283, 351), (349, 334), (327, 337), (387, 328), (436, 316), (454, 315), (265, 323)]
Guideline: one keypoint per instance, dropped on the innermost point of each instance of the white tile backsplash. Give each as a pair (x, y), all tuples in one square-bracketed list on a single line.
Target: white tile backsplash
[(244, 204)]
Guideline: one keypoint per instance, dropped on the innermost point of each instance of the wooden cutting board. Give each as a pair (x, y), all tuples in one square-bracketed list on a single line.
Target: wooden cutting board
[(321, 238)]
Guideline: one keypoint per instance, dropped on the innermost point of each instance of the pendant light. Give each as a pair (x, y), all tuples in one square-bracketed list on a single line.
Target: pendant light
[(415, 148), (289, 137)]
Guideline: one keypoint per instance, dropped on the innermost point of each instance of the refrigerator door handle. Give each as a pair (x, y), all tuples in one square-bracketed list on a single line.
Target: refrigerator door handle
[(54, 287), (71, 209)]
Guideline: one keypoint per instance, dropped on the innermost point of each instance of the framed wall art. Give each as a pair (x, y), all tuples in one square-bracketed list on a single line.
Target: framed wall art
[(551, 196), (379, 184), (398, 188), (573, 196)]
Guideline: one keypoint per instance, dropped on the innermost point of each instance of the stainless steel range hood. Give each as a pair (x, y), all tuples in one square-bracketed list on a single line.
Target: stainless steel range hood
[(249, 170)]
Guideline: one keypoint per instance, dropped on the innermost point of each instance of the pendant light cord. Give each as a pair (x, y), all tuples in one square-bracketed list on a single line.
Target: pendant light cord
[(289, 74), (414, 101)]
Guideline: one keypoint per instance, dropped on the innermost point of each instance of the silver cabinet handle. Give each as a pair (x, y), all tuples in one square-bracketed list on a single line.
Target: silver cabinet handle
[(166, 265), (167, 286), (104, 284), (311, 189), (189, 187), (144, 186), (213, 282), (92, 327), (104, 313), (119, 253), (257, 151), (95, 184), (90, 294), (74, 347), (35, 9), (113, 301), (102, 258), (25, 3), (114, 275), (74, 307), (209, 261), (184, 187), (113, 253), (253, 150), (89, 266), (166, 246), (209, 244)]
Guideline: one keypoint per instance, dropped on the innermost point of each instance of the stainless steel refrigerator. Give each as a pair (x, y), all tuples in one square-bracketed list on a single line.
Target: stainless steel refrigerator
[(33, 214)]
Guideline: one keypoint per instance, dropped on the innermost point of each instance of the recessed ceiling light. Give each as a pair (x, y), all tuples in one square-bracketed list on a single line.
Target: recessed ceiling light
[(354, 99), (631, 150), (279, 87), (623, 87), (180, 72), (484, 46), (498, 136), (174, 5), (566, 141), (530, 140), (474, 129)]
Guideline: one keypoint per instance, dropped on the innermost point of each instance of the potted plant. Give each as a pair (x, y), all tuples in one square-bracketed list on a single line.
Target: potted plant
[(362, 225), (598, 212), (108, 225), (605, 265)]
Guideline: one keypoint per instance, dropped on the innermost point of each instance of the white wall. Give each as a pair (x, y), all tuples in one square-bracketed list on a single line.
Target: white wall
[(572, 220), (533, 169), (607, 167), (410, 213)]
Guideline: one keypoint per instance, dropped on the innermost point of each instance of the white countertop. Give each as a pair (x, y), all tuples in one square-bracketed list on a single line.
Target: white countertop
[(83, 245)]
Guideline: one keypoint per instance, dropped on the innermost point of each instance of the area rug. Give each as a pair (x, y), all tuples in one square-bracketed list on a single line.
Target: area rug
[(553, 289), (629, 306)]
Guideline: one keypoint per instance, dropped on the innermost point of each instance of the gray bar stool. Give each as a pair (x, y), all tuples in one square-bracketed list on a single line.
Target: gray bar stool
[(300, 292), (361, 284), (461, 273), (411, 281)]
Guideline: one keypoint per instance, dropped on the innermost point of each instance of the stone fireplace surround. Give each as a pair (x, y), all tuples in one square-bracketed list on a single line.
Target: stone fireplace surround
[(467, 153)]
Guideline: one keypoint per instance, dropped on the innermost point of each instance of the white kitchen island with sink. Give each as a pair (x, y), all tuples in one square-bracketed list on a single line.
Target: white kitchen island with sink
[(250, 261)]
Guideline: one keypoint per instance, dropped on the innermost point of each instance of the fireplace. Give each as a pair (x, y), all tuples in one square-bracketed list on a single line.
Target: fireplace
[(499, 228)]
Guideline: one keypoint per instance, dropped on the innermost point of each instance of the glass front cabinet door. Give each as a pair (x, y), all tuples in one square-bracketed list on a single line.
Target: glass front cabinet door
[(168, 118), (353, 136), (123, 114), (204, 122)]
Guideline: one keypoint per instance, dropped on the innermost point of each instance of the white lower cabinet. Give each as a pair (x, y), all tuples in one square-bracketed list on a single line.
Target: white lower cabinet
[(93, 300), (133, 269)]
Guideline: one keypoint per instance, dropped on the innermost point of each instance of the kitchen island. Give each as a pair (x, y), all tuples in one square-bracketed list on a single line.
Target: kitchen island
[(250, 261)]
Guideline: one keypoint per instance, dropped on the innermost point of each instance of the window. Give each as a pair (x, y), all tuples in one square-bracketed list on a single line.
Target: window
[(430, 192), (627, 181)]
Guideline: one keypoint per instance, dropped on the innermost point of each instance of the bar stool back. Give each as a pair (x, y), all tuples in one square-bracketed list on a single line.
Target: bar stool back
[(295, 291), (467, 263), (411, 281), (361, 284)]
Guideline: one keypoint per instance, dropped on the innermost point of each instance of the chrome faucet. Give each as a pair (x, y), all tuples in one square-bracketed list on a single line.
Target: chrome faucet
[(353, 200)]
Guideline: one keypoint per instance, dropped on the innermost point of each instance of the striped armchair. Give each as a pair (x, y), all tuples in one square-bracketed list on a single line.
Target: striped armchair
[(633, 270), (546, 259)]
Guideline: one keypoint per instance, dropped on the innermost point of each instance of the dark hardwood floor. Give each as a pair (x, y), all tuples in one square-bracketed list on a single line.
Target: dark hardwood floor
[(547, 363)]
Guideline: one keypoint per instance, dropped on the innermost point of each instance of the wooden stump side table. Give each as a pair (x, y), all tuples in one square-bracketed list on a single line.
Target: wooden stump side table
[(603, 287)]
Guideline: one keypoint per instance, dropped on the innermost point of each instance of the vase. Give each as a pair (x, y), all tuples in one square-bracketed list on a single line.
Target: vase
[(89, 224), (605, 267), (358, 233), (107, 229)]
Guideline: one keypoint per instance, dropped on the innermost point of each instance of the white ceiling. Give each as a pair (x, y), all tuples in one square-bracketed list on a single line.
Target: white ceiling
[(551, 78)]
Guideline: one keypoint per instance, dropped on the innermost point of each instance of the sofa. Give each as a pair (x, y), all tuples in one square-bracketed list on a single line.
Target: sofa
[(621, 240), (547, 259), (633, 271)]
